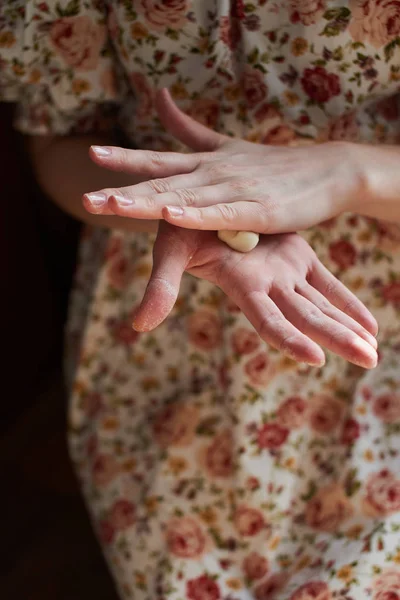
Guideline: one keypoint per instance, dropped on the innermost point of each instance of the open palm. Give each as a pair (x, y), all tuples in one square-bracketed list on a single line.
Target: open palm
[(290, 298)]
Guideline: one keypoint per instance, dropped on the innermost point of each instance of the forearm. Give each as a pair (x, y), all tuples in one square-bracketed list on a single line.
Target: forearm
[(379, 196), (65, 172)]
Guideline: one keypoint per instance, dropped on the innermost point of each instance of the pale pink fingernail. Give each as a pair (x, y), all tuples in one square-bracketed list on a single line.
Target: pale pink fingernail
[(123, 201), (101, 150), (97, 199), (175, 211)]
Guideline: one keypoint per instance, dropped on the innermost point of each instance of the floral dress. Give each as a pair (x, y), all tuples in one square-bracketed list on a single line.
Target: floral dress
[(213, 467)]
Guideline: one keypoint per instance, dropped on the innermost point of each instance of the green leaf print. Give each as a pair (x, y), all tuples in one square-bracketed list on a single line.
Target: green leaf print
[(337, 13), (71, 10)]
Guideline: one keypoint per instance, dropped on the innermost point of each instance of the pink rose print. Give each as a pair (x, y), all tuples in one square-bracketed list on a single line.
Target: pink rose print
[(387, 407), (269, 589), (319, 85), (230, 32), (113, 249), (163, 14), (144, 93), (314, 590), (185, 538), (122, 515), (292, 413), (389, 107), (388, 235), (391, 293), (219, 455), (382, 494), (120, 272), (272, 436), (123, 333), (387, 585), (376, 22), (343, 253), (245, 341), (175, 425), (344, 127), (205, 330), (248, 521), (267, 112), (328, 509), (281, 135), (307, 12), (254, 87), (259, 369), (92, 404), (106, 532), (202, 588), (79, 41), (237, 9), (255, 566), (105, 468), (206, 111), (350, 432), (325, 413)]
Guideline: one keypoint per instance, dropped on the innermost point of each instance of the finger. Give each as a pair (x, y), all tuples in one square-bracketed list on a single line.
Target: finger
[(325, 331), (151, 207), (276, 330), (241, 215), (184, 128), (143, 162), (341, 297), (328, 309), (125, 197), (170, 258)]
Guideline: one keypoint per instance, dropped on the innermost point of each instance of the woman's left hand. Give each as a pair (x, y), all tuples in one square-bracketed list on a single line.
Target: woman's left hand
[(230, 184), (294, 303)]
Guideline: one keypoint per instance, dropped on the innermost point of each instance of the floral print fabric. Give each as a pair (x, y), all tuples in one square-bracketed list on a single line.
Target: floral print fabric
[(214, 468)]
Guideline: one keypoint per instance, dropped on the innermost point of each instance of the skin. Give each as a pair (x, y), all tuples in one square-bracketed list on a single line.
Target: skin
[(294, 303), (231, 184), (286, 313)]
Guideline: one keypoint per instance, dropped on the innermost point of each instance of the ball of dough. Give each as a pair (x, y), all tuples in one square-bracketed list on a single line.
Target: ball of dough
[(242, 241)]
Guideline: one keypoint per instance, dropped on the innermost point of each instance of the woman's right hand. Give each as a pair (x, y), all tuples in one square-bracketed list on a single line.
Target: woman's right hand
[(294, 303)]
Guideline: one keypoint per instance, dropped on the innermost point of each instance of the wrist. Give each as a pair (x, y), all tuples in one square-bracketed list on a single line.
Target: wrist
[(378, 190)]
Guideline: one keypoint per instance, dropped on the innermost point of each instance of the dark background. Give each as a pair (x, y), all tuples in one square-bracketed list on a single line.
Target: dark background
[(47, 548)]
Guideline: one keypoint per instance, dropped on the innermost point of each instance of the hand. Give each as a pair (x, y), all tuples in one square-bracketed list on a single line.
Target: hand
[(230, 184), (290, 298)]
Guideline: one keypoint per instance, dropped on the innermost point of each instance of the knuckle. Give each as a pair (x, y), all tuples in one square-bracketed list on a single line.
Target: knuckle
[(331, 289), (159, 186), (186, 197), (311, 318), (228, 212), (156, 159), (149, 201)]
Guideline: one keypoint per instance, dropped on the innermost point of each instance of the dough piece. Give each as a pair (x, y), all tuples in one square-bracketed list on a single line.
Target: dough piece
[(242, 241)]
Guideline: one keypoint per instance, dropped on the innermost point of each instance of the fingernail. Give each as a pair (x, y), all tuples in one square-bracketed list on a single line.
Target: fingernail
[(371, 340), (101, 150), (123, 201), (97, 199), (174, 211), (368, 351)]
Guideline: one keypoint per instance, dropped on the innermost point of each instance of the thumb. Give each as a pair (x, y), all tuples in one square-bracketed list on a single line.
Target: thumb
[(171, 255), (184, 128)]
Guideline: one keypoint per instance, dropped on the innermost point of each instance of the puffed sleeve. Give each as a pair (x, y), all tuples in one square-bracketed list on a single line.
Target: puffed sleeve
[(58, 64)]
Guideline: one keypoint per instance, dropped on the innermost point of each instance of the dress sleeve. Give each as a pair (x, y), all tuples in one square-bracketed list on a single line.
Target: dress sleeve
[(58, 64)]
